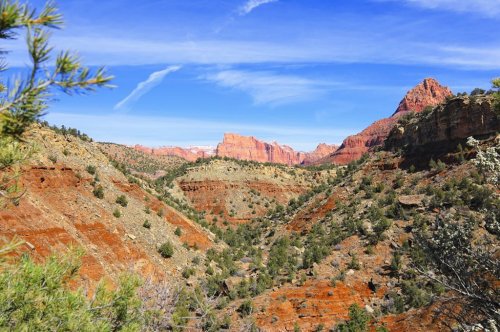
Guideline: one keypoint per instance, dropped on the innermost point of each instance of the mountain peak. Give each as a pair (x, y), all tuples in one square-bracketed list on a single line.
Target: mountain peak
[(429, 92)]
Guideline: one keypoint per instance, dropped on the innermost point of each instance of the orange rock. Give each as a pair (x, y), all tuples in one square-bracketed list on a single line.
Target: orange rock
[(427, 93), (246, 148)]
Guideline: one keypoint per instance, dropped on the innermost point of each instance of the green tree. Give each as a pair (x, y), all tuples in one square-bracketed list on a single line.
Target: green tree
[(24, 100), (24, 97), (166, 250), (358, 320), (37, 297), (496, 87)]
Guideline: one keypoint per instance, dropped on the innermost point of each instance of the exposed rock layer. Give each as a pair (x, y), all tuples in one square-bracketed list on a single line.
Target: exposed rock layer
[(247, 148), (456, 120), (427, 93)]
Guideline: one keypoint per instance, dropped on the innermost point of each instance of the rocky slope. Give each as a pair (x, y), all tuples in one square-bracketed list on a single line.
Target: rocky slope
[(427, 93), (144, 164), (376, 196), (59, 209), (238, 191), (246, 148)]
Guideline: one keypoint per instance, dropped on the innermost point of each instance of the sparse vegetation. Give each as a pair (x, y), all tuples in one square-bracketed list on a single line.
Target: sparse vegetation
[(122, 200), (166, 250)]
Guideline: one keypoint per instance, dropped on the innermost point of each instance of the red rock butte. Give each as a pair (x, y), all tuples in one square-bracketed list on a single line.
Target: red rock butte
[(427, 93), (247, 148)]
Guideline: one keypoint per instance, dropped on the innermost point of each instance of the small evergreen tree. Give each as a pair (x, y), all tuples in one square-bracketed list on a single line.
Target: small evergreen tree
[(166, 250)]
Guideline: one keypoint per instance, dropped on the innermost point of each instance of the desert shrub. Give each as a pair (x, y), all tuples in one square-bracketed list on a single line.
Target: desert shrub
[(488, 162), (187, 272), (246, 308), (416, 296), (98, 192), (396, 262), (117, 213), (91, 169), (146, 224), (122, 200), (354, 263), (358, 320), (166, 250), (461, 262), (178, 231)]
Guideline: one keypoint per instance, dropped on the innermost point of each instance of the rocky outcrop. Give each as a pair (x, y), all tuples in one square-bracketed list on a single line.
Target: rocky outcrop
[(189, 154), (245, 148), (321, 151), (427, 93), (456, 120), (249, 148)]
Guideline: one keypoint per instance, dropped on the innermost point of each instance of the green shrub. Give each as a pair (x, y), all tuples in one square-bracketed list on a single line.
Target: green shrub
[(166, 250), (122, 200), (187, 272), (98, 192), (91, 169), (117, 213), (38, 297), (178, 231), (354, 263), (146, 224), (358, 320), (246, 308), (396, 262)]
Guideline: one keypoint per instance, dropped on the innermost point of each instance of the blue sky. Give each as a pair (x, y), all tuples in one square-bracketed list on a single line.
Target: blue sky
[(296, 71)]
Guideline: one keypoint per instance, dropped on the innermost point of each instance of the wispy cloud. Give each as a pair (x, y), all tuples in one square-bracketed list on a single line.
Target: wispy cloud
[(490, 8), (144, 87), (270, 88), (251, 5)]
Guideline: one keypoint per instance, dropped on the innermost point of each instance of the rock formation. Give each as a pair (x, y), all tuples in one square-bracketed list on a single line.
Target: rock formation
[(246, 148), (427, 93), (456, 120), (321, 151)]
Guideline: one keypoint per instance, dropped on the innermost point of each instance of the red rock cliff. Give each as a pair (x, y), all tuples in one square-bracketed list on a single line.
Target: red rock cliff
[(246, 148), (250, 148), (427, 93)]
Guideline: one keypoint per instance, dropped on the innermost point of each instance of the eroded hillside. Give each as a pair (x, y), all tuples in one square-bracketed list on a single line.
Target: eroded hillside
[(233, 191), (148, 165), (72, 198)]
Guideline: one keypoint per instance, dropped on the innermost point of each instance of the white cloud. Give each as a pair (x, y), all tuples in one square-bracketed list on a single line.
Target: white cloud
[(268, 87), (253, 4), (488, 8), (144, 87), (333, 48)]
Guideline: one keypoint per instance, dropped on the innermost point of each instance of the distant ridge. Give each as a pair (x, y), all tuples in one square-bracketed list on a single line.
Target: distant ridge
[(246, 148)]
